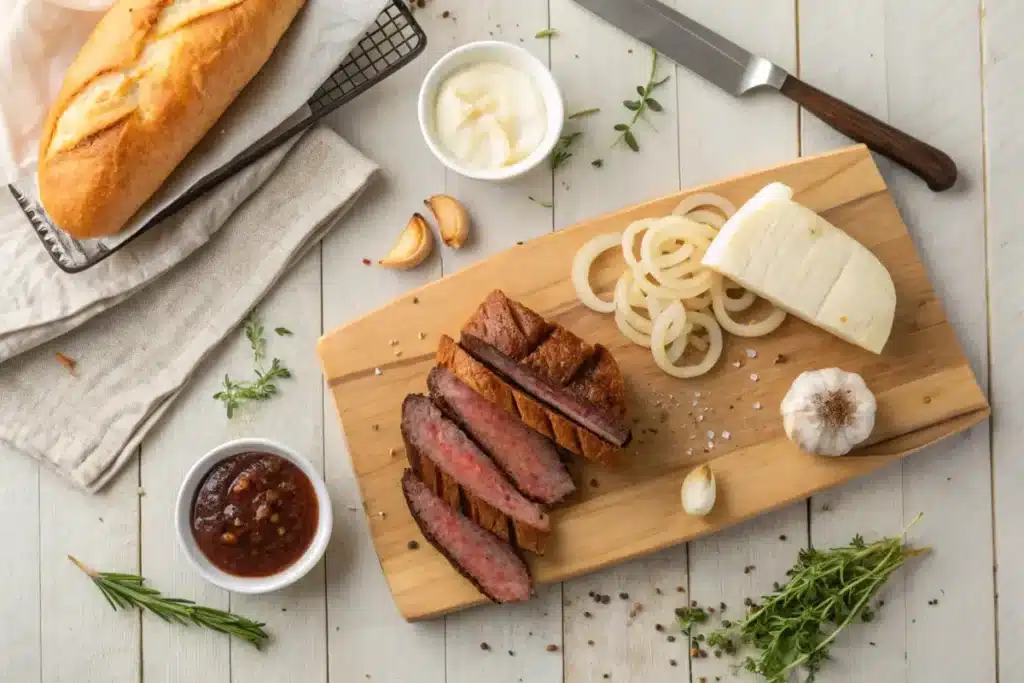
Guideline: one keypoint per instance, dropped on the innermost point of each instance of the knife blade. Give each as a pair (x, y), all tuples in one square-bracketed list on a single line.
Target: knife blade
[(738, 71)]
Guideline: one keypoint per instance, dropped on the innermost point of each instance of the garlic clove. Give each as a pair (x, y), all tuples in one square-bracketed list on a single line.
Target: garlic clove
[(828, 412), (698, 491), (413, 246), (452, 219)]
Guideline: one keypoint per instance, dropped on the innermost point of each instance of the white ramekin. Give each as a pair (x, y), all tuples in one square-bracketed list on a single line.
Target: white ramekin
[(242, 584), (505, 53)]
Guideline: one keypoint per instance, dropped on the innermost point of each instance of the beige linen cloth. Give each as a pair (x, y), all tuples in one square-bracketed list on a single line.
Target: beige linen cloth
[(142, 321)]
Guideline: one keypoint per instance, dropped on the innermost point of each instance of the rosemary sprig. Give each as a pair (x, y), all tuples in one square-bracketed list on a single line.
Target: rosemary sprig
[(124, 591), (826, 592), (236, 392), (561, 153), (638, 107)]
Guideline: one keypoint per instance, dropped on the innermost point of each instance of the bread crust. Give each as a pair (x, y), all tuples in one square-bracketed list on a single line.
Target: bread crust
[(91, 185)]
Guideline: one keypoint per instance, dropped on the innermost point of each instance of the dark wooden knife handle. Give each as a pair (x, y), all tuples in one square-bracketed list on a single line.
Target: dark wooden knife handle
[(931, 165)]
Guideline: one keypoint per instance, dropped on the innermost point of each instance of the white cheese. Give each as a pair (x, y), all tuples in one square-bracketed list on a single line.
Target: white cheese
[(803, 264)]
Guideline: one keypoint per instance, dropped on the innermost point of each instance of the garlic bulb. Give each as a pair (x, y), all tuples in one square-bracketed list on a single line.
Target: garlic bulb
[(829, 411), (698, 491)]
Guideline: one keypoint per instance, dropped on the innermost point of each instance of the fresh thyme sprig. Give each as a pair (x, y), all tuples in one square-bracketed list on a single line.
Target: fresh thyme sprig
[(638, 107), (547, 33), (254, 333), (236, 392), (124, 591), (561, 153), (826, 592)]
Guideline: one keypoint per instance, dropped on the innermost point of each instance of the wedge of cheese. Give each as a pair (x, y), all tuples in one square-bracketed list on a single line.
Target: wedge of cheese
[(803, 264)]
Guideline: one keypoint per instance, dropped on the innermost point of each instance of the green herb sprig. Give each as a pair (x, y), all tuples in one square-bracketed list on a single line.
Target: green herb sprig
[(827, 591), (561, 153), (236, 392), (124, 591), (640, 106), (547, 33)]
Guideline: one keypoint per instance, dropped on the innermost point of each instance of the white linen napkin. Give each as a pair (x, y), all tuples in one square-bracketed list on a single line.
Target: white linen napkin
[(132, 360)]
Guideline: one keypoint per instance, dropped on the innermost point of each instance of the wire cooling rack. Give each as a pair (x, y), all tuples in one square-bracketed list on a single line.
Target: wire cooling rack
[(393, 41)]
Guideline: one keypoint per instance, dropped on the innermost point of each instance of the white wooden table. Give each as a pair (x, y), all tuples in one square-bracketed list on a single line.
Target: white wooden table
[(948, 72)]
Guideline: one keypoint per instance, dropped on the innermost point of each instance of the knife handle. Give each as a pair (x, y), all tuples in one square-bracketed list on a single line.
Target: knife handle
[(930, 164)]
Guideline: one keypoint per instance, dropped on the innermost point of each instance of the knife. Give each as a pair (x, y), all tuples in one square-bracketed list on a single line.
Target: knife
[(737, 71)]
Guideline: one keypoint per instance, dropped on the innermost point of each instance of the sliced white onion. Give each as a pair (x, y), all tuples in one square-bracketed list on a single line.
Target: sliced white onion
[(757, 329), (581, 264), (695, 201), (629, 240), (675, 312), (707, 218)]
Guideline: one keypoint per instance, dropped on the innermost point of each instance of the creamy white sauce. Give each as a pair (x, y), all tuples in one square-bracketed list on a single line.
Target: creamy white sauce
[(490, 115)]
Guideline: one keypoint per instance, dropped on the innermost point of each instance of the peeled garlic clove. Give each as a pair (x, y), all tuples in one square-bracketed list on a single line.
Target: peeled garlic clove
[(452, 219), (698, 491), (828, 412), (413, 246)]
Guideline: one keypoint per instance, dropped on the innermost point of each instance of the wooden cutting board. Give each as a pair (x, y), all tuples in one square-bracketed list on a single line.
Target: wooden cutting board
[(925, 389)]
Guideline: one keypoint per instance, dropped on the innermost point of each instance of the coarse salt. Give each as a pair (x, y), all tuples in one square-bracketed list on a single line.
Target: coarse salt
[(422, 335), (754, 377), (700, 418), (696, 394), (726, 436), (711, 444), (711, 434), (377, 371), (736, 364), (757, 405), (751, 353)]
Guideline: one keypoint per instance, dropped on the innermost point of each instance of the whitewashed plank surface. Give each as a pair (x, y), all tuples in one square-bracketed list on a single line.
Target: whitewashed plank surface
[(82, 639), (20, 651), (911, 61), (951, 484), (1004, 102)]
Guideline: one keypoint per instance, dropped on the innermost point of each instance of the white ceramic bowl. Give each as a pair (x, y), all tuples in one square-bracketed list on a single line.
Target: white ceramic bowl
[(505, 53), (242, 584)]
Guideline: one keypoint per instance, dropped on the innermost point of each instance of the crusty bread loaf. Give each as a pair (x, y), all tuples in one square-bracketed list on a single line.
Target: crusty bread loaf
[(152, 79)]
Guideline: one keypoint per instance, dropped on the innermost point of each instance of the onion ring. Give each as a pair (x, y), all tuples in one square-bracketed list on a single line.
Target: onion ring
[(758, 329), (695, 201), (581, 264), (661, 326)]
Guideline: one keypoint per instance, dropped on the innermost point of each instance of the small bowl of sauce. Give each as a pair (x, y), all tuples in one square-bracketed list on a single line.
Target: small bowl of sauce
[(253, 516)]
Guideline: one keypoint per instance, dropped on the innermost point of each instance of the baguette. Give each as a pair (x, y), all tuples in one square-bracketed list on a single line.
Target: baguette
[(151, 80)]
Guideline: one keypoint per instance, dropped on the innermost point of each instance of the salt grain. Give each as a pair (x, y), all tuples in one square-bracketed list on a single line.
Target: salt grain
[(754, 377), (377, 371), (694, 404), (700, 418), (392, 342), (423, 335), (736, 364), (757, 405), (398, 354), (711, 434), (726, 436), (689, 451), (751, 353), (711, 444), (696, 394)]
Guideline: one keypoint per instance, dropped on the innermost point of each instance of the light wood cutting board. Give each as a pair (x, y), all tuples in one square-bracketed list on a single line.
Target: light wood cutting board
[(925, 389)]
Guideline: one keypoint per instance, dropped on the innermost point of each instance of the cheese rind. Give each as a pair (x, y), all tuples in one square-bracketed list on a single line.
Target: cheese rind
[(803, 264)]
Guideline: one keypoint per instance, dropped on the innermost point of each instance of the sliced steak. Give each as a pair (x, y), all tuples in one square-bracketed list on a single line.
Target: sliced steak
[(483, 558), (530, 460), (558, 398), (550, 363), (430, 434), (566, 434), (449, 490)]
